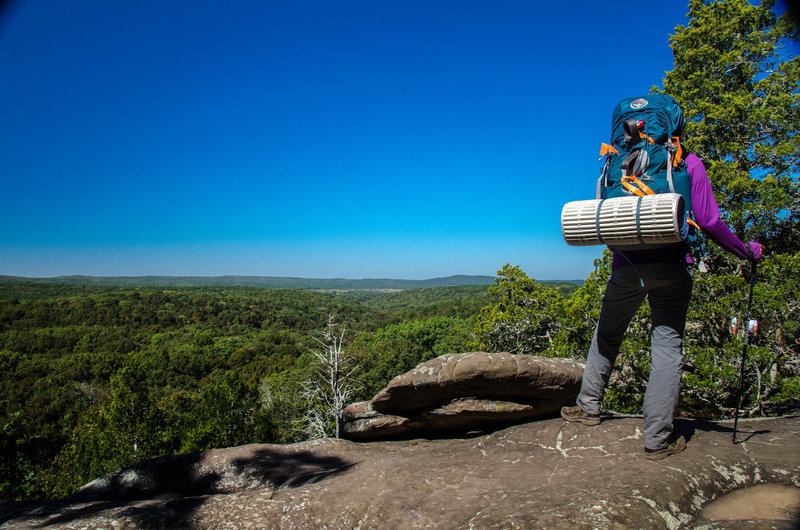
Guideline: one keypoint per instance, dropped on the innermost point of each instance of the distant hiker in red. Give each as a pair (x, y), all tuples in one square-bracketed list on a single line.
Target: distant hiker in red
[(662, 275)]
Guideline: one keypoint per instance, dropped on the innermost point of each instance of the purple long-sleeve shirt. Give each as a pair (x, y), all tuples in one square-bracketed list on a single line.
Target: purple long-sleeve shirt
[(706, 215)]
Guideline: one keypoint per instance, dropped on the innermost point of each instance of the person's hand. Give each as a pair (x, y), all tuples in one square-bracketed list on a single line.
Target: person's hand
[(756, 251)]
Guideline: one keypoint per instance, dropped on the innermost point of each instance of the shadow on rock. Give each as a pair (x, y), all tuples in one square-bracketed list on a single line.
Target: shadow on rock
[(282, 469), (154, 480), (170, 476), (167, 492), (688, 428)]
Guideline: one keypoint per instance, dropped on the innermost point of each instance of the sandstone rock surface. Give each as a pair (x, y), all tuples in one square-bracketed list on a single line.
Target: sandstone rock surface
[(461, 415), (547, 474), (465, 392), (521, 378), (363, 423)]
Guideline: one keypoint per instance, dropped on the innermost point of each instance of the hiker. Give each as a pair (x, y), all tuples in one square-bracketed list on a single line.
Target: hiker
[(663, 275)]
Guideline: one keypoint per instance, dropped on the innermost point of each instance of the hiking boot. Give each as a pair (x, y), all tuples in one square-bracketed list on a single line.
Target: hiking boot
[(577, 414), (658, 454)]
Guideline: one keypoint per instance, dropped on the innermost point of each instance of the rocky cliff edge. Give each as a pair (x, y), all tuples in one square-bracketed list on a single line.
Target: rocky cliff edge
[(544, 474)]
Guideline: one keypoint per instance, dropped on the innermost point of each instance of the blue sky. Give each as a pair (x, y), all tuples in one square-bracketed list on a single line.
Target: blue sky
[(357, 139)]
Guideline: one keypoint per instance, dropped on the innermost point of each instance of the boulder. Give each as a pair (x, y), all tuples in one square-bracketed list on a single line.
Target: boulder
[(465, 392), (359, 411), (542, 382)]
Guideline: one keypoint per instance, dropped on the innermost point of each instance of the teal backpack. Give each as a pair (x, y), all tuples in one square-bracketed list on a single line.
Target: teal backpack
[(645, 155)]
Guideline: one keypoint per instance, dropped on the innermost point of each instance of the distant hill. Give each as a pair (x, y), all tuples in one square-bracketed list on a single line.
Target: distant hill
[(268, 282)]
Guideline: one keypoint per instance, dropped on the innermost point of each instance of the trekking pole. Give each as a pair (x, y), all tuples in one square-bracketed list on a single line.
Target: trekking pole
[(744, 349)]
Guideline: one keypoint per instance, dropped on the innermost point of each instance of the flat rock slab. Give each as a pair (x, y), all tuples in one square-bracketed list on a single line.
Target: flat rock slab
[(547, 474), (462, 415), (380, 427), (545, 381)]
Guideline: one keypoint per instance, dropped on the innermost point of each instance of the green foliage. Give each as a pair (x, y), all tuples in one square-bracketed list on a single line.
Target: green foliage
[(462, 301), (107, 376), (565, 289), (278, 395), (397, 348), (98, 378), (526, 318), (713, 352), (583, 308), (738, 83), (95, 378), (123, 430), (17, 469), (88, 454), (132, 415), (227, 413)]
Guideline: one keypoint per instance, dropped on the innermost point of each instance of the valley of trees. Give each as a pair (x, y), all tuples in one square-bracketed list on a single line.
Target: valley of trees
[(96, 378), (93, 378)]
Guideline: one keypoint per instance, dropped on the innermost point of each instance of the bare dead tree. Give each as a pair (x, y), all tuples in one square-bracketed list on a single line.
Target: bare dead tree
[(331, 384)]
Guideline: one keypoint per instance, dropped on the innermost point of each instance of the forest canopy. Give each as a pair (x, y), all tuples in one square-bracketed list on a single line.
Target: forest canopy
[(95, 378)]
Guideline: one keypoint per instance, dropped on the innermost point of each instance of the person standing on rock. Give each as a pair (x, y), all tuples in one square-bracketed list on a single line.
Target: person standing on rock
[(664, 277)]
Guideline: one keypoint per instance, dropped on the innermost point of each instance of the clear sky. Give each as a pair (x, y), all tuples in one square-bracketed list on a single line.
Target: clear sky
[(357, 139)]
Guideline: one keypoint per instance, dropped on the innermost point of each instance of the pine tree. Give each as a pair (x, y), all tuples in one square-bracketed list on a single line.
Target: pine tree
[(526, 317), (737, 77)]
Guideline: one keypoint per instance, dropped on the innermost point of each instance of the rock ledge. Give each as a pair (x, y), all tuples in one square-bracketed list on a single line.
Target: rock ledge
[(546, 474)]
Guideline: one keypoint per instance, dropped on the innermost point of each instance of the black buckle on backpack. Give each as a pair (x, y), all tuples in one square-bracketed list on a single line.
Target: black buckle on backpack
[(632, 133)]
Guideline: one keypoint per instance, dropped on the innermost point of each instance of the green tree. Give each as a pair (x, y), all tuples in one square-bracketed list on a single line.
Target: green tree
[(18, 474), (228, 414), (398, 348), (125, 429), (713, 351), (133, 416), (737, 77), (526, 318), (280, 397)]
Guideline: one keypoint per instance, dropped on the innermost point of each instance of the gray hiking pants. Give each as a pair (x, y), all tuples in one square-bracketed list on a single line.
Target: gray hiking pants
[(668, 287)]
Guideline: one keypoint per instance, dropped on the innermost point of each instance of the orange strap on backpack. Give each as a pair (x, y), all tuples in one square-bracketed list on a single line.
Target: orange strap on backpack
[(676, 143), (605, 149), (640, 188)]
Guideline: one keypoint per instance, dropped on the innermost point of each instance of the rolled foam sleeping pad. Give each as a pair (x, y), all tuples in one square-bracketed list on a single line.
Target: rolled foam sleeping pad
[(625, 222)]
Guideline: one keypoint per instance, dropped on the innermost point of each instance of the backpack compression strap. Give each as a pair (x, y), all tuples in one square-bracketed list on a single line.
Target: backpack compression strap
[(636, 186), (641, 189)]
